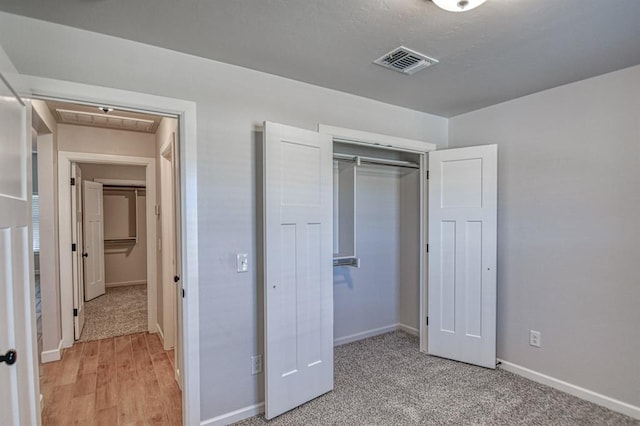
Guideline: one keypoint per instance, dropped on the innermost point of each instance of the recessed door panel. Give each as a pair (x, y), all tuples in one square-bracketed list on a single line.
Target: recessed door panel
[(462, 255)]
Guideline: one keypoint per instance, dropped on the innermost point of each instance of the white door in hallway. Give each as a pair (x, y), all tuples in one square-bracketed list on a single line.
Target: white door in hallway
[(177, 259), (462, 254), (93, 254), (298, 271), (19, 386), (76, 258)]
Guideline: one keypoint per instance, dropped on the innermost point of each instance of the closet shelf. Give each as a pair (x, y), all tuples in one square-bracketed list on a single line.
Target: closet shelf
[(122, 197), (119, 240), (346, 261)]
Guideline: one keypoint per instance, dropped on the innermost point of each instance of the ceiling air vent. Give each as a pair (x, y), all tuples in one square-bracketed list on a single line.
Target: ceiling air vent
[(405, 60)]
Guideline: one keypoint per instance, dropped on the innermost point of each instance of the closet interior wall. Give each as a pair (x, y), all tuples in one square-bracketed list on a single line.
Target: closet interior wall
[(383, 294)]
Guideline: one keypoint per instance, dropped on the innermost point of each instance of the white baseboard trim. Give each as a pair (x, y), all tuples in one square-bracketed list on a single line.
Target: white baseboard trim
[(364, 334), (51, 355), (160, 333), (235, 416), (125, 283), (408, 329), (582, 393)]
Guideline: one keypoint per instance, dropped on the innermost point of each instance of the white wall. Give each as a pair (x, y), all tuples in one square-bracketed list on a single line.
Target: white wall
[(568, 251), (366, 298), (232, 103), (105, 141)]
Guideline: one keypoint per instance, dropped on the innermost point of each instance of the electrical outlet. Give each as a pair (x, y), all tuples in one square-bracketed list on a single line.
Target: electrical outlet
[(535, 339), (256, 364)]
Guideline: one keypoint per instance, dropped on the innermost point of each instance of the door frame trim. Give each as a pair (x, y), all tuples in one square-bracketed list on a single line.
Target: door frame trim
[(46, 88), (169, 330), (422, 148), (65, 159)]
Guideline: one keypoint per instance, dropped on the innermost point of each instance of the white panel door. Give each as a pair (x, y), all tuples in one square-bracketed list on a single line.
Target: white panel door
[(19, 384), (76, 259), (298, 291), (93, 226), (462, 254), (177, 261)]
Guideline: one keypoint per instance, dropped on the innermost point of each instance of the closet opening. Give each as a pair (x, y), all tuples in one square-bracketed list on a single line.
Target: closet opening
[(376, 215)]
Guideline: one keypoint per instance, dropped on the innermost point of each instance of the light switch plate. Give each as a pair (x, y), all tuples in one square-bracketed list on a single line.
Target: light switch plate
[(242, 262)]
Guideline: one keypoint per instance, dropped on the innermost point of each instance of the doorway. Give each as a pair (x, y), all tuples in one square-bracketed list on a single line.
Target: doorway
[(109, 210), (20, 108), (110, 274)]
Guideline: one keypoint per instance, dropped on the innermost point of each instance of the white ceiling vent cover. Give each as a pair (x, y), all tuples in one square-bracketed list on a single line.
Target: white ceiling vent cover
[(405, 60)]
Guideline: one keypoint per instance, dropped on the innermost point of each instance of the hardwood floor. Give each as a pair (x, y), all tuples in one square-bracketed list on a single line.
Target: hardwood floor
[(126, 380)]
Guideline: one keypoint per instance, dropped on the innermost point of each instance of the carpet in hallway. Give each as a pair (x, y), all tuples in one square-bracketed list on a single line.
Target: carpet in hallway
[(118, 312)]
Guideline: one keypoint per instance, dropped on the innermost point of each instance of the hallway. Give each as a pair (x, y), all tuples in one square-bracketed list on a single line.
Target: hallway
[(115, 381)]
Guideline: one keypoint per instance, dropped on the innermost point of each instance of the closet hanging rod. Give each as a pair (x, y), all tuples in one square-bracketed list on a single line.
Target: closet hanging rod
[(375, 160)]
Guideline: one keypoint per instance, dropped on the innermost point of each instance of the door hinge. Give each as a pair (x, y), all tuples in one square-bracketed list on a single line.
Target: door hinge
[(75, 312), (183, 293), (73, 181), (427, 320), (73, 247), (427, 174), (427, 248)]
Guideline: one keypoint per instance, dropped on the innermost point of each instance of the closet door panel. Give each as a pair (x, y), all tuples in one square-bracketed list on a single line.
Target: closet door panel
[(298, 231), (462, 255), (94, 284)]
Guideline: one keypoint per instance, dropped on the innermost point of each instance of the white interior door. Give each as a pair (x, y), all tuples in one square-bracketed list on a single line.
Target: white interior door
[(19, 385), (93, 254), (462, 254), (177, 261), (167, 219), (298, 278), (76, 258)]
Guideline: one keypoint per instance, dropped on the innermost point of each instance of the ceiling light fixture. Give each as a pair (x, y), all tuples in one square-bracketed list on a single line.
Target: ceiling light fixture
[(458, 5), (106, 110)]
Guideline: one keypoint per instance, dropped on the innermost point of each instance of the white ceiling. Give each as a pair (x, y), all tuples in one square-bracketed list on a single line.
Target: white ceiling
[(502, 50)]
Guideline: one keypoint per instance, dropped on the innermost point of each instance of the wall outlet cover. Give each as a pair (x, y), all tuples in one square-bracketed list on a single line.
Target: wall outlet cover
[(535, 338)]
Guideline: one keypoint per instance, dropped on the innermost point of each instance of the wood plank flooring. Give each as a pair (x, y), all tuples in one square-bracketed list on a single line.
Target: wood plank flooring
[(125, 380)]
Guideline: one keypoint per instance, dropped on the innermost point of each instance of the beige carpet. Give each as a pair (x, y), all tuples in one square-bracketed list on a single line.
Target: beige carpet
[(118, 312), (386, 381)]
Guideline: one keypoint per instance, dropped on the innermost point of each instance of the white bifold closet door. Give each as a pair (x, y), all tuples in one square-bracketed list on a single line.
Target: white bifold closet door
[(298, 293), (462, 254)]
